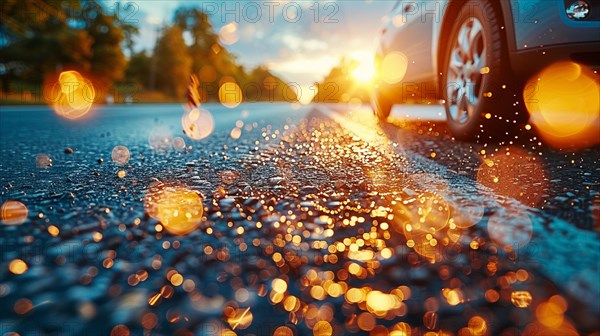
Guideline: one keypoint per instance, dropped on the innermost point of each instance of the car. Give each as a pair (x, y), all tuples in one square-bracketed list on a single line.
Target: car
[(475, 57)]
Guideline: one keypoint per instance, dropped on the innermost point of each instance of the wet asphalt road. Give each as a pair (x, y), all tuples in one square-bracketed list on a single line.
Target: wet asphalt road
[(372, 227)]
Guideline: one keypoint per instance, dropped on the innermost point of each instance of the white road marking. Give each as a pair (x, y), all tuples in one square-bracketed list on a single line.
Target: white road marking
[(567, 255), (418, 112)]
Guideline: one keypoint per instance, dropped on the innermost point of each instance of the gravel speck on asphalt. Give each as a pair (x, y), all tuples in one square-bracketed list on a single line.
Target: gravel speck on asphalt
[(305, 226)]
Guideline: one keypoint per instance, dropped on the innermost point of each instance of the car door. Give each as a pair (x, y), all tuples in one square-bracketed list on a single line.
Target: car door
[(409, 30)]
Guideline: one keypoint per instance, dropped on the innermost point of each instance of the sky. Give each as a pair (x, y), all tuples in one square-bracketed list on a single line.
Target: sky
[(297, 41)]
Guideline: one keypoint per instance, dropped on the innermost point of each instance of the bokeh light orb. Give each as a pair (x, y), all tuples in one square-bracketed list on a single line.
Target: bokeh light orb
[(160, 139), (178, 209), (513, 231), (240, 318), (230, 94), (13, 213), (228, 34), (72, 96), (235, 133), (197, 123), (43, 161), (178, 143), (283, 331), (393, 67), (564, 104), (18, 266), (465, 215), (322, 328), (424, 223), (120, 155)]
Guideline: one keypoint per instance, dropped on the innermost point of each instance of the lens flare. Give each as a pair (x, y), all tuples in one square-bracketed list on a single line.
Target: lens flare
[(235, 133), (322, 328), (120, 155), (13, 213), (393, 67), (512, 231), (160, 139), (197, 123), (18, 266), (72, 96), (43, 161), (521, 299), (239, 318), (230, 95), (466, 214), (179, 143), (564, 104), (424, 223), (228, 34), (355, 103), (178, 209)]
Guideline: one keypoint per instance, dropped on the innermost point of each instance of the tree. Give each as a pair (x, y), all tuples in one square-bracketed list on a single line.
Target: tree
[(39, 38), (205, 49), (268, 87), (196, 22), (138, 69), (173, 63), (107, 59), (211, 62)]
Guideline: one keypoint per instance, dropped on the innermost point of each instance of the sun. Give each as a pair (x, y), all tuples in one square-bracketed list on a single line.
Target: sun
[(364, 72)]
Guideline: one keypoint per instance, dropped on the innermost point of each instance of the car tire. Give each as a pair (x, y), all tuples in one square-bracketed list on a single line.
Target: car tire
[(476, 87), (382, 107)]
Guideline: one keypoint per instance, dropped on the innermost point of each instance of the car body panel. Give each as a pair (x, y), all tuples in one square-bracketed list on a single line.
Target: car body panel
[(533, 25), (406, 27), (540, 23)]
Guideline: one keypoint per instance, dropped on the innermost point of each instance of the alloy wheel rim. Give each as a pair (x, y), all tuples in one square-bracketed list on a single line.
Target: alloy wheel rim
[(464, 79)]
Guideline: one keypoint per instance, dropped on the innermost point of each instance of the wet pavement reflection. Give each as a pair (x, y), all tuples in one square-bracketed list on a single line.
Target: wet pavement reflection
[(317, 223)]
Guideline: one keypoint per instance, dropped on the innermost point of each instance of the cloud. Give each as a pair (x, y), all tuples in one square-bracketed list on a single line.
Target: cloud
[(304, 68), (296, 43)]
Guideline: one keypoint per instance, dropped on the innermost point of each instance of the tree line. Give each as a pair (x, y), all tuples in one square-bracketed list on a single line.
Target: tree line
[(39, 39)]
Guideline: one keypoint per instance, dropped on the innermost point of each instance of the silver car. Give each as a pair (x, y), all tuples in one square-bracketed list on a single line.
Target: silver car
[(475, 56)]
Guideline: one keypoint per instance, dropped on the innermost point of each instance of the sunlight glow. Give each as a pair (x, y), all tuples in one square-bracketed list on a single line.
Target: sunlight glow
[(364, 72)]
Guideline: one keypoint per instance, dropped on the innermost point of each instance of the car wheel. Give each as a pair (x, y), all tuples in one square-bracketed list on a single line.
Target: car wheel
[(382, 107), (475, 75)]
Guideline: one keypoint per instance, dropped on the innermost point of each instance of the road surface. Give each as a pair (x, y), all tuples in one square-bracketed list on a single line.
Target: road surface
[(316, 219)]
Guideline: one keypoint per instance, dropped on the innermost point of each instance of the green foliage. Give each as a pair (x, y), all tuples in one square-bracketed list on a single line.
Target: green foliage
[(138, 69), (37, 40), (197, 24), (262, 85), (40, 38), (210, 61), (107, 60), (173, 63)]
